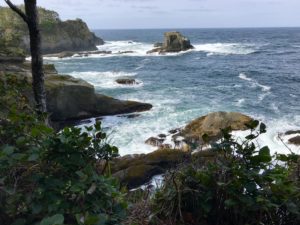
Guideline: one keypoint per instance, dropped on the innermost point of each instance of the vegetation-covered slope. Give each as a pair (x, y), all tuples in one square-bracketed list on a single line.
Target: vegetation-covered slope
[(57, 35)]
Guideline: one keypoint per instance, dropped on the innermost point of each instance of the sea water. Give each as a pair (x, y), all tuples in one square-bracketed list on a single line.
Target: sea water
[(252, 71)]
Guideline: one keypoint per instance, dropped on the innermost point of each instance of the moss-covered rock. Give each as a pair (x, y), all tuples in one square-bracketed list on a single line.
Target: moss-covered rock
[(137, 175), (57, 35), (135, 170), (212, 124)]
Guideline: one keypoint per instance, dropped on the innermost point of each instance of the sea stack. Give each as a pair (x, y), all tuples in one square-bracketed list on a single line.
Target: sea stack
[(173, 42)]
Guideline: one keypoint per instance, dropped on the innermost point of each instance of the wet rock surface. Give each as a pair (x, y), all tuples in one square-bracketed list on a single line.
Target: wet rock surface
[(173, 42)]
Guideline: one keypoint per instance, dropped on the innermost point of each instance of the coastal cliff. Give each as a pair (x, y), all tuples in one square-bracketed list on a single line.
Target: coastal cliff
[(57, 35)]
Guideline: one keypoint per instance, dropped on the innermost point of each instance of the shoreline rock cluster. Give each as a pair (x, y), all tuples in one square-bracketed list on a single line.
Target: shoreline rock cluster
[(135, 170), (192, 134)]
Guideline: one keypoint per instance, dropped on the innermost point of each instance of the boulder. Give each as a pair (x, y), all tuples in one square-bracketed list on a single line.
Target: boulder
[(174, 131), (289, 132), (135, 170), (173, 42), (125, 52), (212, 124), (126, 81), (163, 136), (155, 141), (295, 140), (137, 175), (71, 98)]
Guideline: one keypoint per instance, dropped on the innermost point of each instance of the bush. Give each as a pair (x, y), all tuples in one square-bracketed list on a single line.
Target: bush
[(51, 178), (243, 184)]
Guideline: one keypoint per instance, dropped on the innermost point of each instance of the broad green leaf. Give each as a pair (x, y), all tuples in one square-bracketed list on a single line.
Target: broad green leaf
[(8, 150), (57, 219)]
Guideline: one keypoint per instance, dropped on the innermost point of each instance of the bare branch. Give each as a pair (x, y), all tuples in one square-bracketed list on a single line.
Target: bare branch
[(17, 10)]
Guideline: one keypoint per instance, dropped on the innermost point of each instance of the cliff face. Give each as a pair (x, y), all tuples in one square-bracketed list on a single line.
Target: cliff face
[(57, 35)]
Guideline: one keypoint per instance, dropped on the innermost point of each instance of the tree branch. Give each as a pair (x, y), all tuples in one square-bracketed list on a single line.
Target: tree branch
[(17, 10)]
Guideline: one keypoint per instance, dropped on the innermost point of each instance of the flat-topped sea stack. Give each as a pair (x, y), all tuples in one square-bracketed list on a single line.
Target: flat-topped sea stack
[(173, 42)]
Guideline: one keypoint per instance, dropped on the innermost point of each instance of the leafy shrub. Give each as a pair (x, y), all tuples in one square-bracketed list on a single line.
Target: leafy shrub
[(51, 178), (242, 184)]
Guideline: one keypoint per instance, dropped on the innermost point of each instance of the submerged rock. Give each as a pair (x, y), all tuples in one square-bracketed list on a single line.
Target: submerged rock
[(295, 140), (173, 42), (127, 81), (67, 54), (125, 52), (292, 132)]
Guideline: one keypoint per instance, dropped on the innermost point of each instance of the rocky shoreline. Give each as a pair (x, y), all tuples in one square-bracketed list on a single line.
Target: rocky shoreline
[(69, 99), (182, 146)]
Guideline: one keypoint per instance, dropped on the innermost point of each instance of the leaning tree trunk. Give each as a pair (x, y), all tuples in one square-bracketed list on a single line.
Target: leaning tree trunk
[(36, 56), (31, 18)]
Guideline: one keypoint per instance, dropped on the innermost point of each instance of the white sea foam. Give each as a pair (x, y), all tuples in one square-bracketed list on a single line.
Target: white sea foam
[(240, 102), (130, 134), (274, 138), (226, 48), (244, 77), (134, 48), (106, 79), (254, 83), (126, 48)]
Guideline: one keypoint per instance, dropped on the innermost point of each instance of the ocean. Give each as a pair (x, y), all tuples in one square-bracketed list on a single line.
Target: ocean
[(252, 71)]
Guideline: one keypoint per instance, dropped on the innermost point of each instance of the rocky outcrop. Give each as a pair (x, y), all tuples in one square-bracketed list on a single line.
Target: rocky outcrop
[(212, 124), (190, 137), (295, 140), (57, 35), (69, 98), (127, 81), (135, 170), (156, 142), (174, 42)]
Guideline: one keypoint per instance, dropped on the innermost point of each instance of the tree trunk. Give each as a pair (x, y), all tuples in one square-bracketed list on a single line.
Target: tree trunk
[(31, 18), (36, 56)]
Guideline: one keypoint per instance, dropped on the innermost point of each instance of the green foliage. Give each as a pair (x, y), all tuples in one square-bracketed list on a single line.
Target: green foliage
[(48, 177), (243, 184)]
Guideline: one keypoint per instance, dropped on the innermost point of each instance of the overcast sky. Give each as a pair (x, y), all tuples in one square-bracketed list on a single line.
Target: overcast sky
[(114, 14)]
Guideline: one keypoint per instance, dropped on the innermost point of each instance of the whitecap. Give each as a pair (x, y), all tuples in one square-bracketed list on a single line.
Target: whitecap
[(226, 48), (240, 102), (106, 79), (244, 77), (255, 83)]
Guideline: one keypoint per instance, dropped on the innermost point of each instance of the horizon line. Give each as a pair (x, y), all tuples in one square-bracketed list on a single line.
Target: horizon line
[(182, 28)]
